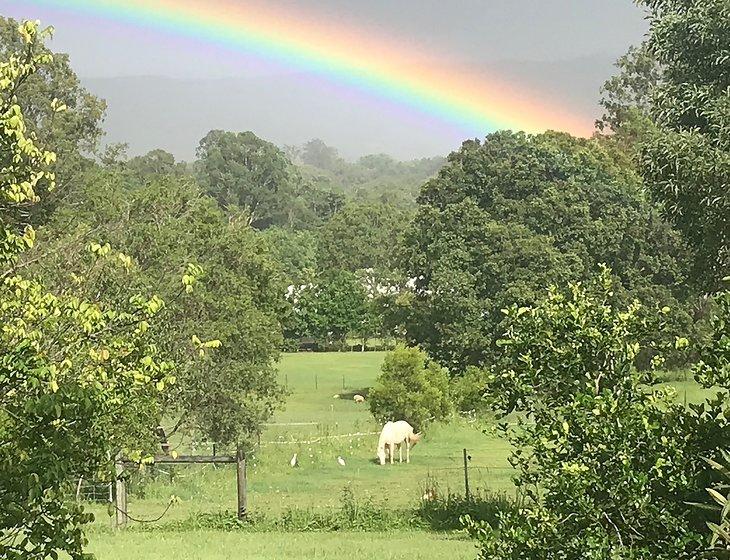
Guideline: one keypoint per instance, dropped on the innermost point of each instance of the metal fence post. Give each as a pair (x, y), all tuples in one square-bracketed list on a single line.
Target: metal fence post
[(241, 482), (466, 475)]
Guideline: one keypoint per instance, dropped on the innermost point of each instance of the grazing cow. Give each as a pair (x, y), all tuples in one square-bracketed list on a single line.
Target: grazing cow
[(358, 399), (397, 433)]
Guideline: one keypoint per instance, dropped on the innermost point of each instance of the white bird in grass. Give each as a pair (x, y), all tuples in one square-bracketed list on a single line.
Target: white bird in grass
[(294, 462), (341, 461)]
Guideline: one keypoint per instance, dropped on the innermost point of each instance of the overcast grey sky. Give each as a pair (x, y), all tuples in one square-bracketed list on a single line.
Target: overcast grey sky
[(153, 81)]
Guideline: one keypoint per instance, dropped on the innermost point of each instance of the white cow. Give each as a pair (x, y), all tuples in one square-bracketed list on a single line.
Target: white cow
[(397, 433), (358, 399)]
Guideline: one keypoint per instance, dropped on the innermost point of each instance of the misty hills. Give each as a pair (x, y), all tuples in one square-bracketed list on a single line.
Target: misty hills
[(151, 112)]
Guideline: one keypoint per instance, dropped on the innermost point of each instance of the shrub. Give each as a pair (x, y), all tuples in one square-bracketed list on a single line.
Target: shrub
[(607, 460), (352, 515), (467, 390), (441, 513), (454, 511), (411, 387)]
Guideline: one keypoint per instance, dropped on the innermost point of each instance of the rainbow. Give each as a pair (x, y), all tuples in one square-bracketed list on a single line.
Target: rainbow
[(349, 55)]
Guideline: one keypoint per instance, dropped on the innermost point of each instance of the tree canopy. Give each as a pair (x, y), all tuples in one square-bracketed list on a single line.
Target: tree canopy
[(79, 378), (72, 133), (686, 160), (164, 224), (510, 215)]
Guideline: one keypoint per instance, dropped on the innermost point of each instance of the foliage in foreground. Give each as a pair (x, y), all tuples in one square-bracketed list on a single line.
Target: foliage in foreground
[(607, 459), (78, 380)]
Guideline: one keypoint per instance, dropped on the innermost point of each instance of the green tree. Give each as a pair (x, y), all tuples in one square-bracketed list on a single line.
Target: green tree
[(79, 380), (295, 251), (156, 163), (628, 95), (330, 309), (242, 171), (373, 178), (606, 457), (467, 390), (686, 161), (510, 215), (362, 236), (312, 204), (412, 388), (341, 305), (626, 100), (73, 133), (163, 224), (713, 370), (318, 154), (713, 367)]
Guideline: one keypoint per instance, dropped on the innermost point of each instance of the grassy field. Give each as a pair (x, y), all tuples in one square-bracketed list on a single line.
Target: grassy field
[(319, 428), (215, 545)]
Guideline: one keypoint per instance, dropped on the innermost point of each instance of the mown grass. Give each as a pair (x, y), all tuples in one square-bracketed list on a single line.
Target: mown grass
[(220, 545), (286, 501), (313, 379)]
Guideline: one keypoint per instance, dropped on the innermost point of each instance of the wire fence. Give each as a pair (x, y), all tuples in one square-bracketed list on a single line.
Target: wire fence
[(447, 467), (94, 491)]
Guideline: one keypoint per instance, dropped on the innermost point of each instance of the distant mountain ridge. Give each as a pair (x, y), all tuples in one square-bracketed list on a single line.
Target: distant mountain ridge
[(151, 112)]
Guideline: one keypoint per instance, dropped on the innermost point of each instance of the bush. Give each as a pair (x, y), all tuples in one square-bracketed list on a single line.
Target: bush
[(411, 387), (352, 515), (606, 459), (467, 390)]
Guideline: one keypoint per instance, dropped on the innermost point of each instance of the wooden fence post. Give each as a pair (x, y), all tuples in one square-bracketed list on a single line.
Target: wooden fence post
[(466, 475), (78, 489), (241, 481), (120, 511)]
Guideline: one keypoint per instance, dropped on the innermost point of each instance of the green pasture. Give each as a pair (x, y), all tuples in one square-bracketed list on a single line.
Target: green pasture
[(319, 428), (215, 545)]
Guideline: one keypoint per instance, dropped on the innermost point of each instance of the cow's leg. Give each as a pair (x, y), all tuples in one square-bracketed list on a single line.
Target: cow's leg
[(408, 450), (392, 452)]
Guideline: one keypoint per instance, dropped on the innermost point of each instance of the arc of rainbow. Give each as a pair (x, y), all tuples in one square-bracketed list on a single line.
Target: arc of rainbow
[(344, 54)]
